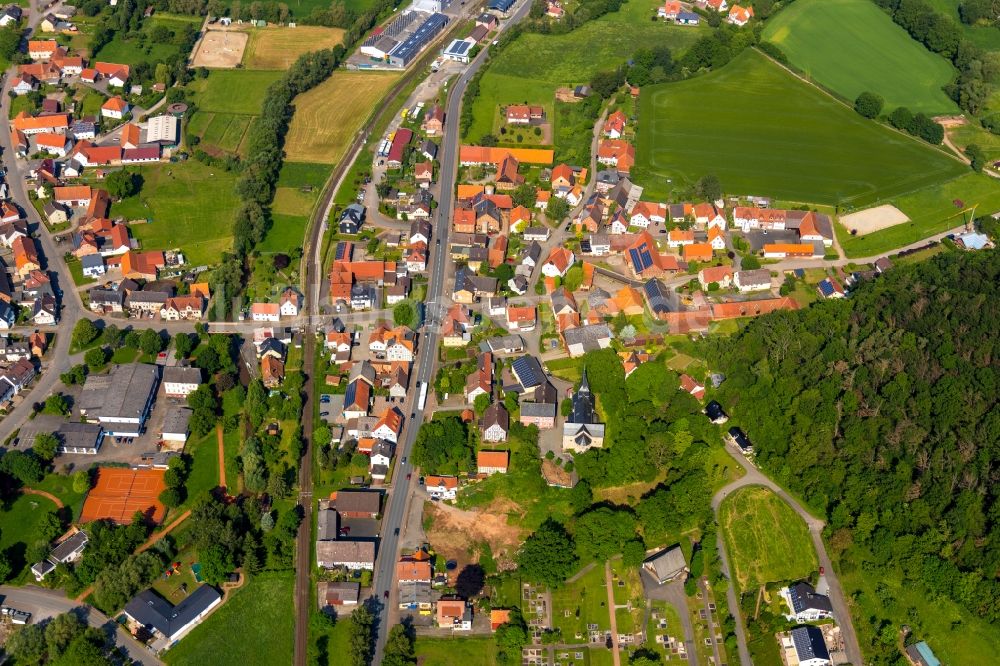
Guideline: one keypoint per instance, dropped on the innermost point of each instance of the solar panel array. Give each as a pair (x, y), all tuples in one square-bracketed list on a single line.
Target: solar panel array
[(528, 371)]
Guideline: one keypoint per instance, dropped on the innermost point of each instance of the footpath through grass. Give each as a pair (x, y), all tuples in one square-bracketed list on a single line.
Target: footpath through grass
[(775, 135), (766, 540), (255, 626), (869, 53)]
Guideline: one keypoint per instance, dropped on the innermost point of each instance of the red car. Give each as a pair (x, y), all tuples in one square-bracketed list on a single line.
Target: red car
[(408, 476), (822, 571)]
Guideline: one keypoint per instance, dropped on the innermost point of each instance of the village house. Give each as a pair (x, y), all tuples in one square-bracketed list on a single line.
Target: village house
[(454, 614), (181, 381), (804, 604), (495, 423), (177, 308), (558, 262), (752, 280), (442, 487), (523, 114), (720, 275), (614, 126), (115, 108), (740, 16), (492, 462)]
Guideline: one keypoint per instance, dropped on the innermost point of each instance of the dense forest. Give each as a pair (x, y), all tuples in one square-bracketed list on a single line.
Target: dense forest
[(881, 412)]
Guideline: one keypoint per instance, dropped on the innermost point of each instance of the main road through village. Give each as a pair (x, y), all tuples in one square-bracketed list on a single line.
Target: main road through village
[(403, 485)]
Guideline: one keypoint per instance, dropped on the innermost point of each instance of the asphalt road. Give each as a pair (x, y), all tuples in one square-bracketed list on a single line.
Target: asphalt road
[(403, 487), (58, 356), (841, 613), (44, 604)]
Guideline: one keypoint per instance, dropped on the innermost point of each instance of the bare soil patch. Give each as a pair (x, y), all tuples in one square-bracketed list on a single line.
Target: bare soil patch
[(455, 533), (222, 49), (873, 219), (566, 95)]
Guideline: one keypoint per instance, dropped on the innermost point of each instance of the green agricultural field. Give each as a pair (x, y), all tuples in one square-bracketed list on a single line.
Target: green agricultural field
[(134, 51), (775, 135), (870, 53), (190, 206), (233, 90), (766, 540), (231, 639), (534, 66), (931, 211)]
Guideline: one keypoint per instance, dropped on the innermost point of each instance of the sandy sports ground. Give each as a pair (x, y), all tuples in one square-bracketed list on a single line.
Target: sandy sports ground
[(220, 48), (873, 219), (276, 47)]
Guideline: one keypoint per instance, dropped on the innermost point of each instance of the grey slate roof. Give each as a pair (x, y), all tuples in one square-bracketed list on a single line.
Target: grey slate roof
[(152, 610)]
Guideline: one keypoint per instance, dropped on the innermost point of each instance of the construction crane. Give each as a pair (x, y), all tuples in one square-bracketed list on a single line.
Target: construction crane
[(971, 210)]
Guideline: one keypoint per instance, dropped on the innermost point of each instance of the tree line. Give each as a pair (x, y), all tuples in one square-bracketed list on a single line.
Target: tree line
[(881, 411), (977, 69)]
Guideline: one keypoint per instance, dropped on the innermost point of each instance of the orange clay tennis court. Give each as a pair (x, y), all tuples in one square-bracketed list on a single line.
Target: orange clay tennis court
[(119, 493)]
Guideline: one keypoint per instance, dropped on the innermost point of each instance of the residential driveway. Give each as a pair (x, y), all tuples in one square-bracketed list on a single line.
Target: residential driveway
[(672, 593), (44, 604)]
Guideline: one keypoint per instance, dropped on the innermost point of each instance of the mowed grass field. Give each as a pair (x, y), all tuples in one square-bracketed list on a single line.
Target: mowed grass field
[(765, 539), (870, 52), (534, 66), (479, 651), (229, 635), (278, 48), (771, 134), (328, 116), (292, 205), (228, 102), (190, 206), (931, 211), (20, 521)]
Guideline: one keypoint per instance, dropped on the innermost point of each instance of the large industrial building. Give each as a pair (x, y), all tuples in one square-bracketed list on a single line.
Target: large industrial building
[(405, 52), (122, 399)]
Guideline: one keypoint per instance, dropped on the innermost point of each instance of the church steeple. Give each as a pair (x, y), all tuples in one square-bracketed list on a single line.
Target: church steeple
[(584, 385)]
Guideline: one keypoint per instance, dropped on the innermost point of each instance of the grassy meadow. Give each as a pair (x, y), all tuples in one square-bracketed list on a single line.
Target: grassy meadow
[(775, 135), (870, 53), (530, 69), (230, 636), (766, 540), (190, 206)]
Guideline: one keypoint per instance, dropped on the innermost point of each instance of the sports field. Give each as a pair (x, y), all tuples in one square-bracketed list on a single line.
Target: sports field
[(765, 539), (119, 492), (531, 68), (278, 48), (771, 134), (190, 206), (931, 211), (328, 116), (870, 52), (224, 131)]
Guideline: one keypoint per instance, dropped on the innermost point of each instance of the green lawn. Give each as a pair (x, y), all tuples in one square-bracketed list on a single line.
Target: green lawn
[(190, 206), (18, 525), (237, 91), (766, 540), (775, 135), (449, 651), (62, 487), (870, 53), (931, 211), (205, 464), (534, 66), (293, 205), (581, 603), (232, 636)]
